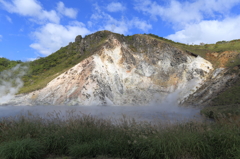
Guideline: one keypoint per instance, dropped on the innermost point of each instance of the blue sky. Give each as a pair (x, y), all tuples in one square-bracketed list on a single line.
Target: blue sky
[(37, 28)]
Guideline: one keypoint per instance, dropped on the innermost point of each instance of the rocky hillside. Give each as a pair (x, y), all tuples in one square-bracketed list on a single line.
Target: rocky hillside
[(111, 69), (221, 88)]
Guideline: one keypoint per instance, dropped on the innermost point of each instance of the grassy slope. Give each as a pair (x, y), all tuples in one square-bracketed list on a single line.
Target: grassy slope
[(45, 69)]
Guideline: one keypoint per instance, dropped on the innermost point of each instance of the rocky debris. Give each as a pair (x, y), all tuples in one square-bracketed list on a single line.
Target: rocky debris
[(220, 60)]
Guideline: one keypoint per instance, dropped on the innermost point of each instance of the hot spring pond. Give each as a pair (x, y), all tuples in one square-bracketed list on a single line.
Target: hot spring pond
[(138, 113)]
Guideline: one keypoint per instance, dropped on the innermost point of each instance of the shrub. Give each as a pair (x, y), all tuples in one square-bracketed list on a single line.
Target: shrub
[(83, 150), (92, 149), (21, 149)]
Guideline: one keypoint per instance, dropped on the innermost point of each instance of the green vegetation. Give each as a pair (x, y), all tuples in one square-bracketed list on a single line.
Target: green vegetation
[(201, 50), (228, 112), (230, 96), (22, 148), (86, 136), (43, 70), (7, 64)]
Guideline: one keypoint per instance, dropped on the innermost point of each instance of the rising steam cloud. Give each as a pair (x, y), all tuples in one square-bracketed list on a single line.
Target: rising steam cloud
[(10, 82)]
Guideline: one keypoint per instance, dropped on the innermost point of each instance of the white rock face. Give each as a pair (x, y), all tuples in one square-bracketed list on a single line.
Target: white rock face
[(116, 75)]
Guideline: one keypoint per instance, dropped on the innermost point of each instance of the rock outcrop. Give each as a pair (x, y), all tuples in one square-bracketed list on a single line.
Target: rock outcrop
[(123, 71), (218, 81)]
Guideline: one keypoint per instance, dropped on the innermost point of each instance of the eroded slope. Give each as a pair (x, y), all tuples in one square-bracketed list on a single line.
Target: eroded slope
[(124, 72)]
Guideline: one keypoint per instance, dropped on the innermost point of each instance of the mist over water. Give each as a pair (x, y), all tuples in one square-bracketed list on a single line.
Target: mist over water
[(167, 110), (139, 113)]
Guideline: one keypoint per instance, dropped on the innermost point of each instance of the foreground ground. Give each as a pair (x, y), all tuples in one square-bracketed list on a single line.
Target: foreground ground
[(33, 137)]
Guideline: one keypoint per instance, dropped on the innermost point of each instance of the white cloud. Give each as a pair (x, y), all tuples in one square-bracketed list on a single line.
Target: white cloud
[(105, 21), (195, 21), (30, 8), (50, 37), (8, 19), (209, 31), (115, 7), (142, 25), (69, 12), (23, 7), (183, 13), (31, 59), (123, 26), (120, 28), (0, 37)]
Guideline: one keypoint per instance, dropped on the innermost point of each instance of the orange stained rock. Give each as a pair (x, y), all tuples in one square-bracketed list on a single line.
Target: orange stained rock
[(221, 59)]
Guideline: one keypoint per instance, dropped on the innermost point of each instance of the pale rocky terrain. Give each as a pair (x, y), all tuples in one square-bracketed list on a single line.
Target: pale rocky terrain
[(117, 74), (218, 81)]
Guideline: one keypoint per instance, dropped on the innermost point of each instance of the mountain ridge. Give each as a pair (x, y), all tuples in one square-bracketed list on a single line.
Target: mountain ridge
[(151, 49), (122, 72)]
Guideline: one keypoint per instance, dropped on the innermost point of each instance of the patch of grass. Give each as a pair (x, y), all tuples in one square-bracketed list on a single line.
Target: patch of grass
[(21, 149), (84, 150), (57, 157), (83, 136), (230, 96), (226, 113)]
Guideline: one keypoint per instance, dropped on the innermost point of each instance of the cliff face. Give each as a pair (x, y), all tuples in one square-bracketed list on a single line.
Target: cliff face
[(220, 80), (138, 71)]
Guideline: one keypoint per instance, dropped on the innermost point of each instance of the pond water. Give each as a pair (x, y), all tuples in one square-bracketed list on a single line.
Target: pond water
[(139, 113)]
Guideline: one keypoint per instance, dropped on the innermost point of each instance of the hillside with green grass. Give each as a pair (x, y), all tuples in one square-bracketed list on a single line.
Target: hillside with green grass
[(7, 64)]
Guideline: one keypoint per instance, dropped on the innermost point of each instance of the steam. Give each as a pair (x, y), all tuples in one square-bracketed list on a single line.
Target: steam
[(152, 114), (181, 93), (10, 82), (166, 111), (170, 105)]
